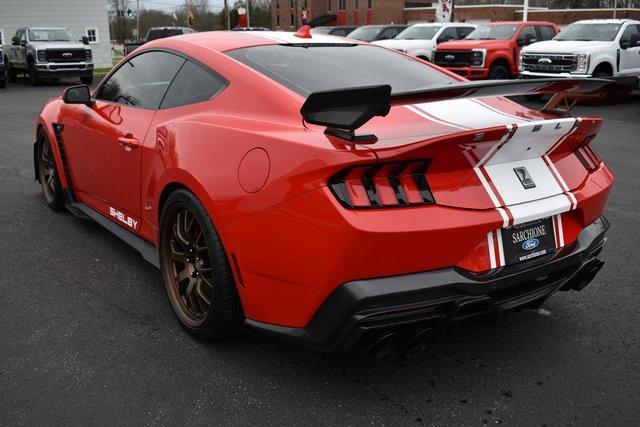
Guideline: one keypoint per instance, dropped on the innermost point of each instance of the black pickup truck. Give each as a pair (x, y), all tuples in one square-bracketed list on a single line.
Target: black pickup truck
[(156, 33)]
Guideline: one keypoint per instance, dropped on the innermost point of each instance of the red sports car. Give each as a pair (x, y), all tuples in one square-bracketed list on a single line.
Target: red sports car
[(329, 191)]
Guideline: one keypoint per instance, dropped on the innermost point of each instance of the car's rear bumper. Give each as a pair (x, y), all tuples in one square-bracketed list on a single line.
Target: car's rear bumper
[(432, 300)]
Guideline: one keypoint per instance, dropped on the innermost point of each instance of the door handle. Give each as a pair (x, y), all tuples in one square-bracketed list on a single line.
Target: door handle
[(128, 142)]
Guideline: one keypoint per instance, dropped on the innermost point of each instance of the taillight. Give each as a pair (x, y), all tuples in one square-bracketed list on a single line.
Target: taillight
[(384, 185), (587, 156)]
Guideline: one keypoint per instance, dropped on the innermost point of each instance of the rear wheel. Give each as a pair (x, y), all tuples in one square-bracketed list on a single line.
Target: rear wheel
[(195, 270), (48, 174), (498, 72)]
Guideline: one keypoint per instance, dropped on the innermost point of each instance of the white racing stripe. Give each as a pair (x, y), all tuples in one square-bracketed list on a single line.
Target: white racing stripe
[(468, 113), (492, 252)]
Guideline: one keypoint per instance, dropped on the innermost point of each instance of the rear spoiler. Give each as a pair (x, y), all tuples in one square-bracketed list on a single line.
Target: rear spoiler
[(343, 111)]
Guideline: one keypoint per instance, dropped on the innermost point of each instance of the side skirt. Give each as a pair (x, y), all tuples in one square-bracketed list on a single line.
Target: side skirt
[(146, 249)]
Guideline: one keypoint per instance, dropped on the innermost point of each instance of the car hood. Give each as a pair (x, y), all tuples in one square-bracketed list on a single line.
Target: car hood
[(59, 45), (558, 46), (403, 44), (471, 44)]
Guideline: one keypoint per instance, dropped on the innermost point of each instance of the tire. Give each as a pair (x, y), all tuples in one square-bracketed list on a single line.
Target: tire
[(86, 80), (498, 72), (12, 76), (34, 79), (48, 173), (601, 74), (195, 270)]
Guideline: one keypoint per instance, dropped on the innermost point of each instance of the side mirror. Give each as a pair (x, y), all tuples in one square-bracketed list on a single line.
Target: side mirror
[(634, 41), (15, 41), (520, 42), (625, 44), (85, 40), (77, 95)]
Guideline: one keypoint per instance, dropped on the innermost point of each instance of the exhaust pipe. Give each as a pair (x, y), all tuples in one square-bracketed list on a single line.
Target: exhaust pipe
[(382, 344), (418, 342), (588, 275)]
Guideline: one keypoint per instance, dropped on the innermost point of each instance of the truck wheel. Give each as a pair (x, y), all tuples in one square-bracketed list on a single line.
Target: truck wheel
[(34, 80), (498, 72), (86, 80), (12, 76), (195, 270)]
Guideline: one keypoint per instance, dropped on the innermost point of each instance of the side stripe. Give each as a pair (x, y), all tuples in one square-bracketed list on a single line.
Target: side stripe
[(500, 249), (560, 231), (429, 117), (492, 254)]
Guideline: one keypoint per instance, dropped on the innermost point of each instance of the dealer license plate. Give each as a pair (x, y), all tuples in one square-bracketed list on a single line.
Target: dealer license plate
[(529, 240)]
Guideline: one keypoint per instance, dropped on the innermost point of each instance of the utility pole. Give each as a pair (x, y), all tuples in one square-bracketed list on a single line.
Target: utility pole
[(226, 8), (615, 8), (138, 18), (248, 13), (525, 13)]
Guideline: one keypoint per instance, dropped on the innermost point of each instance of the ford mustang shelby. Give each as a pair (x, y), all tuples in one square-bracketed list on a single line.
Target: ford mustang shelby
[(327, 190)]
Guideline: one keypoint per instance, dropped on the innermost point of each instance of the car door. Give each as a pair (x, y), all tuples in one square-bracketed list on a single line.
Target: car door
[(18, 57), (103, 141), (629, 54)]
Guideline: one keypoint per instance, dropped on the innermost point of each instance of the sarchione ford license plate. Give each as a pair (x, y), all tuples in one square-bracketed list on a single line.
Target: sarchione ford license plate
[(529, 240)]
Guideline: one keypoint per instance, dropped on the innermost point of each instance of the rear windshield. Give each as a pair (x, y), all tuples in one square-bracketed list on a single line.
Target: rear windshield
[(589, 32), (317, 68), (493, 32)]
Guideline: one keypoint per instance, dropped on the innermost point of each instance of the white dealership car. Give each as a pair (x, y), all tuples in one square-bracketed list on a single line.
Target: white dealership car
[(420, 39), (589, 48)]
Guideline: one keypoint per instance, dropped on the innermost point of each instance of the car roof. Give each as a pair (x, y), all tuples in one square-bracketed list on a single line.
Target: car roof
[(605, 21), (227, 40), (520, 23)]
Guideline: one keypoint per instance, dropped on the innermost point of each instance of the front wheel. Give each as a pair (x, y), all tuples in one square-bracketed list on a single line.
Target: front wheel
[(498, 72), (48, 173), (34, 79), (12, 76), (86, 80), (195, 270)]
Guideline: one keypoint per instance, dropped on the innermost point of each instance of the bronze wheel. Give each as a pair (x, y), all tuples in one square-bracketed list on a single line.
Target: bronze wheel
[(48, 173), (195, 269), (188, 274)]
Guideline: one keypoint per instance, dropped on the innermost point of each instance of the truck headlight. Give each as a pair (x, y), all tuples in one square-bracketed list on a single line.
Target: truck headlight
[(583, 63), (88, 55), (42, 56), (520, 60), (477, 57)]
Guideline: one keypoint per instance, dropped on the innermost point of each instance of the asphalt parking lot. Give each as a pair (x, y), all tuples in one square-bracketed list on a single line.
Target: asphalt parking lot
[(87, 335)]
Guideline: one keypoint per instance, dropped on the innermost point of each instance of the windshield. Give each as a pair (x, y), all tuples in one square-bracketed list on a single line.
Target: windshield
[(589, 32), (493, 32), (367, 34), (418, 32), (308, 69), (49, 35)]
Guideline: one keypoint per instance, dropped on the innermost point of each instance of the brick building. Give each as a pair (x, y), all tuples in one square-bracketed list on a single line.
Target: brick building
[(288, 14)]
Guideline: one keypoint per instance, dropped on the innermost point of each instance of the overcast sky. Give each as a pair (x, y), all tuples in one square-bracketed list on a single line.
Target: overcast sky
[(169, 5)]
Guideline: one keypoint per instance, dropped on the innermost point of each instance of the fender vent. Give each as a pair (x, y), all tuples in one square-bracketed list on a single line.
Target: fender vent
[(385, 185), (57, 130)]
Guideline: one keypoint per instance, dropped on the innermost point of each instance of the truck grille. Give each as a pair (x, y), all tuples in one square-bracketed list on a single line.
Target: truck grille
[(549, 63), (65, 55), (452, 58)]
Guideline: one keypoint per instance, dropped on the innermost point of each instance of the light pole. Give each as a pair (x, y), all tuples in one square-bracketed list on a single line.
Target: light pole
[(138, 18), (615, 8), (248, 13), (525, 12), (226, 8)]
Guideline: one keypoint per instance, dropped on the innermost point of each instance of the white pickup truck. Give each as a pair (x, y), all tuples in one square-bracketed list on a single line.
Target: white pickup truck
[(421, 39), (589, 48)]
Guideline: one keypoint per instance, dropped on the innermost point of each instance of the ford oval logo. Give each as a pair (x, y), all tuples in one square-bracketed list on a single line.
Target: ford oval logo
[(544, 61), (527, 245), (449, 58)]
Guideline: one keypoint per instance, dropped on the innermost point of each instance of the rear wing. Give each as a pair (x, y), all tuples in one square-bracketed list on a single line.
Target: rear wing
[(343, 111)]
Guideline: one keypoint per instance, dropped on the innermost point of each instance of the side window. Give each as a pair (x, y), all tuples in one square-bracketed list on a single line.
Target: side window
[(464, 32), (628, 32), (341, 32), (23, 36), (447, 34), (546, 33), (528, 35), (389, 33), (143, 80), (192, 84)]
